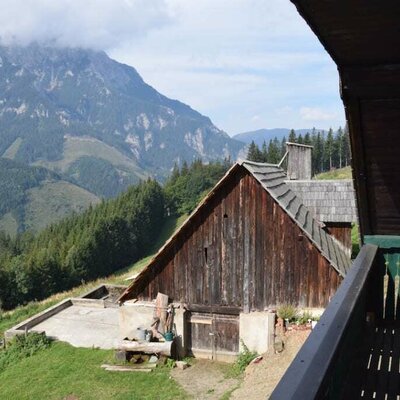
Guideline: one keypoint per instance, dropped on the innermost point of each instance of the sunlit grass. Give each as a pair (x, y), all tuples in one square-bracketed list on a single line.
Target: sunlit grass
[(340, 173), (62, 370)]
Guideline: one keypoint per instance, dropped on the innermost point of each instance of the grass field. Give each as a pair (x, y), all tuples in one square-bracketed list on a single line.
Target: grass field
[(52, 201), (12, 150), (65, 372), (77, 147), (340, 173)]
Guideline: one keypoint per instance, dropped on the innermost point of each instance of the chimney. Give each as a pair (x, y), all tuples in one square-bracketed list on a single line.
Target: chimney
[(298, 161)]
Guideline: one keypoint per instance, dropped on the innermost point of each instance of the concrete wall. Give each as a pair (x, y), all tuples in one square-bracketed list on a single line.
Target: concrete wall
[(257, 330)]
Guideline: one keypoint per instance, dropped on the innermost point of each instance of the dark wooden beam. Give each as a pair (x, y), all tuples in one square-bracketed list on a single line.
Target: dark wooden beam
[(328, 351)]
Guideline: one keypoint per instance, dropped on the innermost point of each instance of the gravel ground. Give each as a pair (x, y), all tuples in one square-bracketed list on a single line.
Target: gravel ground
[(260, 379)]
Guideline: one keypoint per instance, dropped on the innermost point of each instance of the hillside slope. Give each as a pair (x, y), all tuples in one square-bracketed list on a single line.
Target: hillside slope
[(32, 197)]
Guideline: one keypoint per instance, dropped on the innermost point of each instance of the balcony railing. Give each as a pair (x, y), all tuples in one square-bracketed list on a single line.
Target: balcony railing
[(335, 360)]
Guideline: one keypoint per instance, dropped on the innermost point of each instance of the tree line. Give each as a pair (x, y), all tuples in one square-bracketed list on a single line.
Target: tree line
[(330, 150), (101, 240)]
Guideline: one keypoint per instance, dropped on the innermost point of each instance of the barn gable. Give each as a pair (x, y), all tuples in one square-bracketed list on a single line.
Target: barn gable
[(272, 178), (251, 243)]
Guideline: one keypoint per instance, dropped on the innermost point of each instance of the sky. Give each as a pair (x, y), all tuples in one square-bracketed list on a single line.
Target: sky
[(247, 64)]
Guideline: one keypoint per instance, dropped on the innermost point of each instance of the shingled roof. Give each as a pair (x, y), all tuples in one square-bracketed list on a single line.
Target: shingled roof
[(273, 180), (328, 200)]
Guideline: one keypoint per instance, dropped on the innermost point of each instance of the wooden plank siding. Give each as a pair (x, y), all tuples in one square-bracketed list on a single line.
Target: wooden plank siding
[(242, 250), (341, 232)]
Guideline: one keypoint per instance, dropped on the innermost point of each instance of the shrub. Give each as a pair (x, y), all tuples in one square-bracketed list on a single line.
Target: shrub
[(287, 312), (304, 317), (245, 357), (22, 346)]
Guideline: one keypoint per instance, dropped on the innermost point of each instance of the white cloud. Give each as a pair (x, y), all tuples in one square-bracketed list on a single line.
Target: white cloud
[(316, 114), (97, 24), (230, 60)]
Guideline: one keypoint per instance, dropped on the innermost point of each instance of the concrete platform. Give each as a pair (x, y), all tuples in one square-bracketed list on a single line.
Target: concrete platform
[(91, 320), (83, 326)]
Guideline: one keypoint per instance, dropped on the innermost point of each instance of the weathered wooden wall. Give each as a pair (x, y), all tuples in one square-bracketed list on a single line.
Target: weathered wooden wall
[(341, 232), (299, 161), (243, 251)]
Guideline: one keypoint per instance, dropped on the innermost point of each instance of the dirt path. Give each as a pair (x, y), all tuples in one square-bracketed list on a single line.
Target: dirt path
[(205, 380), (260, 379)]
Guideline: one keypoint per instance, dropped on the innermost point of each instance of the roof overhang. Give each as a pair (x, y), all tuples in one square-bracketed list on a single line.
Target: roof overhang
[(363, 38)]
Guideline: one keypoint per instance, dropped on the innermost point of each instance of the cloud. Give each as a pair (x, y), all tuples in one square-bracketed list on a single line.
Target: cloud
[(96, 24), (316, 114), (230, 60)]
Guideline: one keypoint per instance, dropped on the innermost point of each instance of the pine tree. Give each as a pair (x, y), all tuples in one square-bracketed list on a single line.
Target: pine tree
[(328, 150), (252, 152), (283, 146), (339, 147), (264, 152), (292, 136), (273, 151), (346, 146), (307, 139)]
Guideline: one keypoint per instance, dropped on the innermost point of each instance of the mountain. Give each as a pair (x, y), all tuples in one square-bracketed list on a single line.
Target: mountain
[(32, 197), (94, 120), (260, 135)]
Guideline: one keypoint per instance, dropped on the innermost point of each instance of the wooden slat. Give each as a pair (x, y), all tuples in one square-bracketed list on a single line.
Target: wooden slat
[(383, 378), (393, 389), (372, 375), (358, 369)]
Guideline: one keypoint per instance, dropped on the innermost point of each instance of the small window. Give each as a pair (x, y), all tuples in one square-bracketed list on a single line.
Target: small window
[(205, 254), (225, 215)]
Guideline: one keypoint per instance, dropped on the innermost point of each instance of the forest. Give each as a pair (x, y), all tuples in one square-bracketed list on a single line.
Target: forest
[(101, 240), (330, 150), (119, 231)]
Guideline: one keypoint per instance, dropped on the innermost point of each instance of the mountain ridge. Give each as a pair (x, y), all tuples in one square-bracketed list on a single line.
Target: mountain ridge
[(51, 92), (261, 135)]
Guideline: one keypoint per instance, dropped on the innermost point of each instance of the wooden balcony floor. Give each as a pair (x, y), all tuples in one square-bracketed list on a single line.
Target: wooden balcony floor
[(375, 374)]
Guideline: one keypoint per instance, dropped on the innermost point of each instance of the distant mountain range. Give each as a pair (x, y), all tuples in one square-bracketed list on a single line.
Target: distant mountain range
[(261, 135), (53, 99), (95, 122)]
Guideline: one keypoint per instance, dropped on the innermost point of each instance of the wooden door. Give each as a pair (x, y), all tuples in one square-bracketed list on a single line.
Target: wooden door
[(213, 336)]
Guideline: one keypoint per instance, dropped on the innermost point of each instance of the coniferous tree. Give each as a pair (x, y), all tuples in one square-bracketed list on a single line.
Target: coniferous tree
[(283, 146), (338, 151), (264, 152), (346, 146), (292, 136), (274, 151), (328, 150), (254, 153), (307, 139)]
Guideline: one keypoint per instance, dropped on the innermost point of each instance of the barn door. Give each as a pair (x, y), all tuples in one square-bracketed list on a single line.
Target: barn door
[(213, 336)]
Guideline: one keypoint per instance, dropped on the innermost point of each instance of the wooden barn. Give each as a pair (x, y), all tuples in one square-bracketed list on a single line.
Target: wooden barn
[(249, 246)]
